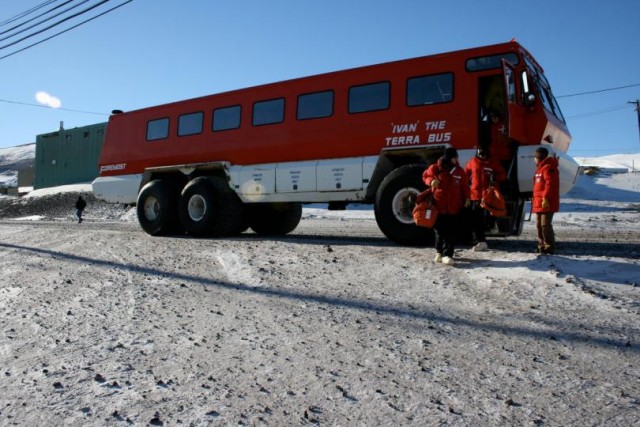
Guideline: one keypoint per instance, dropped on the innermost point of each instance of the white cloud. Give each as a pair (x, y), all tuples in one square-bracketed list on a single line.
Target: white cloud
[(50, 101)]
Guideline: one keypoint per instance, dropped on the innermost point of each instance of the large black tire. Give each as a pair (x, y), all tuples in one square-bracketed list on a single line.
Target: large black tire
[(157, 208), (395, 200), (275, 219), (208, 207), (232, 215)]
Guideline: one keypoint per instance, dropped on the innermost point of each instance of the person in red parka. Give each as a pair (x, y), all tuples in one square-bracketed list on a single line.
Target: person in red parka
[(451, 193), (546, 199), (483, 171)]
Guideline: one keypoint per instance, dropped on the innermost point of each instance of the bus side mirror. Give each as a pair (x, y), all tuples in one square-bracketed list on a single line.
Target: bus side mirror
[(529, 99)]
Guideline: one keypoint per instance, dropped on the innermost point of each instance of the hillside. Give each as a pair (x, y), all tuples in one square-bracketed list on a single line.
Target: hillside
[(12, 160)]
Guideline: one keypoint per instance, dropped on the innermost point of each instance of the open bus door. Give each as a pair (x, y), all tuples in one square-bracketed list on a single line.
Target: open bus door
[(516, 107), (514, 119)]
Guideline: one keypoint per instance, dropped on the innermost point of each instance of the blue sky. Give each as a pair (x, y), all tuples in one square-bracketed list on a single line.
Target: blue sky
[(156, 51)]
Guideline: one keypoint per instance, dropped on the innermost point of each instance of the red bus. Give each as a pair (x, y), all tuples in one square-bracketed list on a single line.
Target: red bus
[(250, 158)]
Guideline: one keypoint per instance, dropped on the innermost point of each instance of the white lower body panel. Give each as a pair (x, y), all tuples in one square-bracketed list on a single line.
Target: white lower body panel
[(316, 181), (117, 189), (567, 166)]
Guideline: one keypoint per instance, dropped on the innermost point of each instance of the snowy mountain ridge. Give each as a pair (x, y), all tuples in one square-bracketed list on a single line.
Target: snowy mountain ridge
[(13, 159)]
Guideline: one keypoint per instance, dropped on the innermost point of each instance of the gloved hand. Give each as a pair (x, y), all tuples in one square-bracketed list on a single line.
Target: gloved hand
[(435, 183), (467, 203), (545, 203)]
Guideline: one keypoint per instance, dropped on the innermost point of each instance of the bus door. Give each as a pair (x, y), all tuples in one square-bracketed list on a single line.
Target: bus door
[(514, 121), (515, 111)]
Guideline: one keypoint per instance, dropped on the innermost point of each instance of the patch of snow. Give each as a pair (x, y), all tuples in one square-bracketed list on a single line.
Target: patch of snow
[(30, 218), (73, 188)]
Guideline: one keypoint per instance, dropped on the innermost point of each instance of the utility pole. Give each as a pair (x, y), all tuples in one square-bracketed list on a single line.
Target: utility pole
[(637, 102)]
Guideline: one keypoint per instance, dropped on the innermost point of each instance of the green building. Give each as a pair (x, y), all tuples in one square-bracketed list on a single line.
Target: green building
[(68, 156)]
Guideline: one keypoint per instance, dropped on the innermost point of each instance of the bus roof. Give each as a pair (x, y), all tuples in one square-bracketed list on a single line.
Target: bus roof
[(512, 45)]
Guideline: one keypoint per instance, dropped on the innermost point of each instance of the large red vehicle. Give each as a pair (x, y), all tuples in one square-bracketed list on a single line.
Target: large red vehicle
[(219, 164)]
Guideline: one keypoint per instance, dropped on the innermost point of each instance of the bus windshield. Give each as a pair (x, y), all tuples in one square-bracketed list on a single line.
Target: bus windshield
[(544, 89)]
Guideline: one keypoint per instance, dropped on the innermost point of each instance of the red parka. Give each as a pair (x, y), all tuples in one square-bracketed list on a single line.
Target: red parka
[(453, 190), (546, 185), (481, 172)]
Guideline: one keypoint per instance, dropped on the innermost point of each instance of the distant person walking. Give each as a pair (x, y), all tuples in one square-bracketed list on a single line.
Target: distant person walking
[(80, 205), (546, 199), (483, 171), (450, 192)]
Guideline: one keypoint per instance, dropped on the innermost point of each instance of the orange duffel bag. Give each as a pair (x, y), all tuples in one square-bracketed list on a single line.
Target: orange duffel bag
[(493, 201), (425, 212)]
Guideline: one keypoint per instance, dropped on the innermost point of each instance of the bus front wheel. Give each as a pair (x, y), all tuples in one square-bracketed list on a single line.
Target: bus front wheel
[(395, 200)]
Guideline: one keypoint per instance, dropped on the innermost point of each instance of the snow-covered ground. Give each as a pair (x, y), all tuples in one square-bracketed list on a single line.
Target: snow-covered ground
[(331, 325), (606, 202), (615, 162)]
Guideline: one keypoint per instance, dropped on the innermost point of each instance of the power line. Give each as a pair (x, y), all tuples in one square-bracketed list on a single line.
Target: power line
[(598, 91), (604, 111), (44, 106), (41, 22), (64, 31), (26, 12), (82, 12), (35, 17)]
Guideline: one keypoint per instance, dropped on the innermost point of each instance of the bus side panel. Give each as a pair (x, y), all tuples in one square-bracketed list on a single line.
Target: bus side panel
[(297, 177), (342, 135)]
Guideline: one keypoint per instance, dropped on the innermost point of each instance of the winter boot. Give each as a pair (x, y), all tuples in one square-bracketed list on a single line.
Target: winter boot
[(481, 246), (448, 260)]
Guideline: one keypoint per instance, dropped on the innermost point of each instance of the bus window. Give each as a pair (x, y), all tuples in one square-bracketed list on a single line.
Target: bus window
[(371, 97), (268, 112), (190, 124), (511, 85), (157, 129), (226, 118), (428, 90), (315, 105), (548, 100), (490, 62)]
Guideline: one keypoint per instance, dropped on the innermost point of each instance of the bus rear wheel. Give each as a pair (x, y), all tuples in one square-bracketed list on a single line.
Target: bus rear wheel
[(156, 208), (395, 200), (275, 219), (208, 207)]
